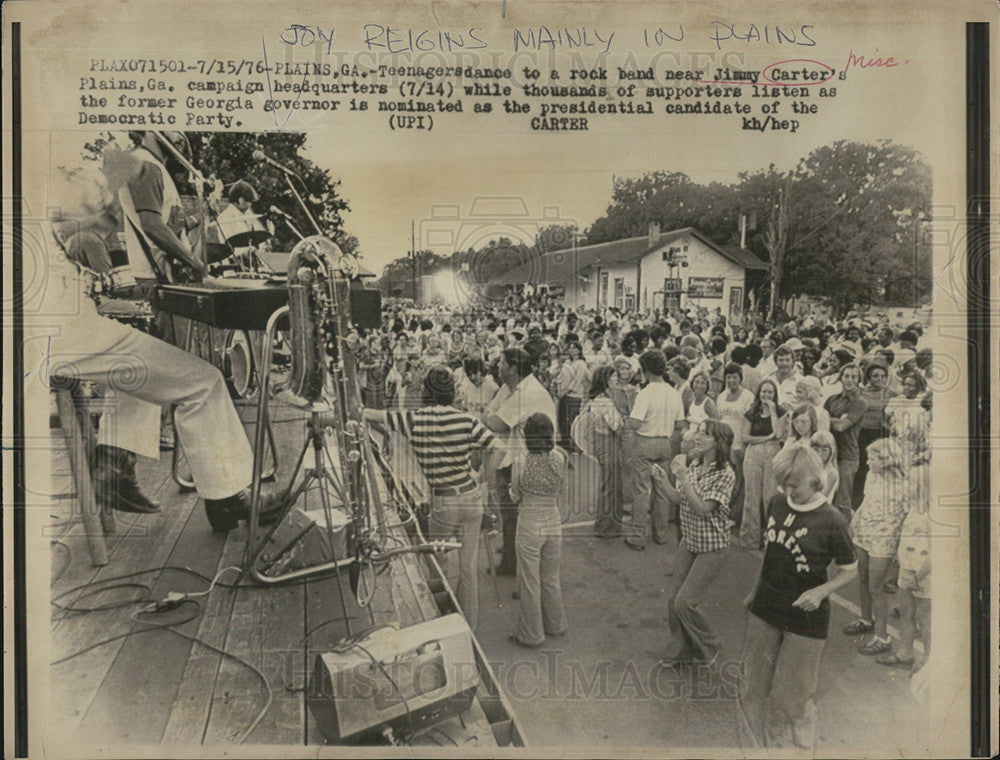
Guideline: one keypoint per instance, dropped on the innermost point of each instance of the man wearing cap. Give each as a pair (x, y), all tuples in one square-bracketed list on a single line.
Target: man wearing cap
[(444, 440)]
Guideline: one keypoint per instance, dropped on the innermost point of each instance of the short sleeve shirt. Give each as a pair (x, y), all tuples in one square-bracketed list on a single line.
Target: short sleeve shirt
[(442, 438), (658, 406), (711, 533), (799, 547), (854, 406), (515, 407)]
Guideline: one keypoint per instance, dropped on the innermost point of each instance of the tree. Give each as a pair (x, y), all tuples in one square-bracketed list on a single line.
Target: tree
[(228, 156), (671, 200), (399, 277), (858, 212), (557, 237)]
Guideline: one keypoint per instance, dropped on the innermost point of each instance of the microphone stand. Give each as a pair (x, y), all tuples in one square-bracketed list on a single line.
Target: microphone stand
[(302, 203), (285, 171), (199, 181)]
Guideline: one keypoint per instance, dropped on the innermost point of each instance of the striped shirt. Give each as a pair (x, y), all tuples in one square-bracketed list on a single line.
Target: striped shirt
[(442, 437)]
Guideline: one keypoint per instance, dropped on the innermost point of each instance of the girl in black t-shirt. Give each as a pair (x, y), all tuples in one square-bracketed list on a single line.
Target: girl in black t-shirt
[(789, 610)]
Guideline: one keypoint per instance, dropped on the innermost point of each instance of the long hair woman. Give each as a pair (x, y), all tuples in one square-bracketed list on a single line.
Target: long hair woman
[(760, 430), (704, 486)]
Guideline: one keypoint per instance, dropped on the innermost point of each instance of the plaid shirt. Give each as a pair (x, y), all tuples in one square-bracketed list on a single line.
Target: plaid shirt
[(708, 534)]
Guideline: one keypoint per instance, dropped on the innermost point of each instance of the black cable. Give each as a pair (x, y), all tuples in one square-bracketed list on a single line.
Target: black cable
[(446, 735), (324, 624), (132, 632), (170, 626), (147, 592)]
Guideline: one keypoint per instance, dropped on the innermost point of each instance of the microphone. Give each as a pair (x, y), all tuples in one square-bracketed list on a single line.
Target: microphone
[(260, 155), (276, 210)]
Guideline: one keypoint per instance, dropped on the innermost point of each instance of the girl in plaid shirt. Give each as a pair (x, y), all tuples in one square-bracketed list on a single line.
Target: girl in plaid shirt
[(703, 490)]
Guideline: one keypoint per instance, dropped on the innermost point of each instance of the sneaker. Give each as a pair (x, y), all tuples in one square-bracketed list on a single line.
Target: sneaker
[(859, 626)]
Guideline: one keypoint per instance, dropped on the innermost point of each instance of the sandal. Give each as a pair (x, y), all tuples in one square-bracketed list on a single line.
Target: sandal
[(859, 626), (876, 645), (895, 661)]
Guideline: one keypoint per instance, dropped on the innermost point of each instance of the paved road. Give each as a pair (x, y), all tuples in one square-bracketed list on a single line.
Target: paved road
[(600, 685)]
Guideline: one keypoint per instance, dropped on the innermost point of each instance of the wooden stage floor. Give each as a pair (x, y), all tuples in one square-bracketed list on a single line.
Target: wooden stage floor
[(158, 685)]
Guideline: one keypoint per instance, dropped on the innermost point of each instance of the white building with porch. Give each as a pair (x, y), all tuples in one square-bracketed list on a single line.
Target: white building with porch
[(680, 268)]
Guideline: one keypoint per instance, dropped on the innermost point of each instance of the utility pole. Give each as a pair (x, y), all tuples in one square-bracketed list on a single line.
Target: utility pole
[(413, 258), (776, 239)]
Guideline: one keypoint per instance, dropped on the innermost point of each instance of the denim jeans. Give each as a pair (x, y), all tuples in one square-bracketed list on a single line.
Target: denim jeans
[(647, 491), (609, 502), (759, 487), (781, 671), (691, 635), (539, 549), (848, 469), (461, 517)]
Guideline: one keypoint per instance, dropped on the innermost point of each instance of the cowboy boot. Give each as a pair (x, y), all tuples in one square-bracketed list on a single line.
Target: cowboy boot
[(224, 514), (116, 485)]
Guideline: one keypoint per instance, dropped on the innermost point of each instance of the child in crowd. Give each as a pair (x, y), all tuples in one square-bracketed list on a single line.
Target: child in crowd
[(789, 607), (536, 482), (914, 593), (876, 529), (825, 446)]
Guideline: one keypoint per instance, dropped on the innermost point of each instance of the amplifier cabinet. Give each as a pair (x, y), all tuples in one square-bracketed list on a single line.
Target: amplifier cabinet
[(405, 679)]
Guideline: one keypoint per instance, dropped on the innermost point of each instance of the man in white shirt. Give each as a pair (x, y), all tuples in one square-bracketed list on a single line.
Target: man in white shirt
[(238, 217), (766, 366), (658, 407), (520, 397), (596, 353), (786, 377)]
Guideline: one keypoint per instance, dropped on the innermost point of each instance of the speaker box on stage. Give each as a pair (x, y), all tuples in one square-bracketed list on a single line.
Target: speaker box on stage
[(366, 308), (405, 679), (302, 540)]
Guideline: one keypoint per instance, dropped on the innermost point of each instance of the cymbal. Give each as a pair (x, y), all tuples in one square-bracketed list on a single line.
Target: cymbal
[(217, 252), (248, 238)]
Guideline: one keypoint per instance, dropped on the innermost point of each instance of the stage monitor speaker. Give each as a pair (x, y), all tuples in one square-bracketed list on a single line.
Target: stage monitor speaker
[(302, 540), (405, 679), (366, 308)]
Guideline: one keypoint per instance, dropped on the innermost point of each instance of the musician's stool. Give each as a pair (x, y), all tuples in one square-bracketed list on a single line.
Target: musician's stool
[(77, 427)]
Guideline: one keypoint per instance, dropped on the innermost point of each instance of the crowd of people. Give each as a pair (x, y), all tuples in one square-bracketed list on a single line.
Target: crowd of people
[(705, 433), (805, 438)]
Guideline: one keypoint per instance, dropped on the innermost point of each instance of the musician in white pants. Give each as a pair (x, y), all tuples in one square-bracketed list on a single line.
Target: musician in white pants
[(146, 373)]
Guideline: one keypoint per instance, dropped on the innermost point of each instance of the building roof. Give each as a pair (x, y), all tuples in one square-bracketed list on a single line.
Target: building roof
[(564, 264)]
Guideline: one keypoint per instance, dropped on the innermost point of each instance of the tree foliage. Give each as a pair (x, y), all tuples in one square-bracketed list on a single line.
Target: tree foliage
[(228, 156), (846, 224)]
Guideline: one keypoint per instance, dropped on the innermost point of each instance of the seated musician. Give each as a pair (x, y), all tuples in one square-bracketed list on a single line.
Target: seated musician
[(154, 218), (146, 373), (238, 216)]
